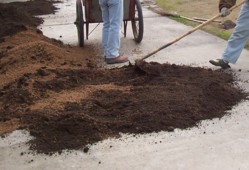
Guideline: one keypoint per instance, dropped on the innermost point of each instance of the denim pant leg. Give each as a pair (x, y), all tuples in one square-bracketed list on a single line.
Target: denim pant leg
[(106, 24), (112, 14), (239, 37)]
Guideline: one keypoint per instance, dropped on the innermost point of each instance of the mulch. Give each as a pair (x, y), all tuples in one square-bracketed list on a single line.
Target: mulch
[(66, 102)]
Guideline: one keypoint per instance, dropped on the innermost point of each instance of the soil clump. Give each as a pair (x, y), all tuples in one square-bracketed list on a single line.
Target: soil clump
[(66, 102)]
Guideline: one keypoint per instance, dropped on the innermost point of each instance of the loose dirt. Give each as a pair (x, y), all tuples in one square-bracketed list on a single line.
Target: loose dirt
[(66, 102)]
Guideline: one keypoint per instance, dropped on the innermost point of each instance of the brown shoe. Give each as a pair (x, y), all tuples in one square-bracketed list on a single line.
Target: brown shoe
[(119, 59)]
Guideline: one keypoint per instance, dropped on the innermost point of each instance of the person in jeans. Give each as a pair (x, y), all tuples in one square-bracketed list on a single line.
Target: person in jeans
[(112, 16), (239, 37)]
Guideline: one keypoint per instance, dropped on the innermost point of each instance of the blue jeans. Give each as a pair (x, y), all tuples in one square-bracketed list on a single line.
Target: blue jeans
[(112, 15), (240, 35)]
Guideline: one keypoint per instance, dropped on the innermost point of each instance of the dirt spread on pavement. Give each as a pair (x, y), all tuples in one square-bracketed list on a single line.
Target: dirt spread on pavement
[(66, 102), (16, 16)]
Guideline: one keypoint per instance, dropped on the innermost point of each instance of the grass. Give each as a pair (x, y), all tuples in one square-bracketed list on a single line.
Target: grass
[(166, 5), (222, 34), (202, 9)]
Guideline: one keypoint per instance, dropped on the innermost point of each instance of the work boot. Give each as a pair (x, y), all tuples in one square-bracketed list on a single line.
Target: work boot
[(219, 62), (119, 59)]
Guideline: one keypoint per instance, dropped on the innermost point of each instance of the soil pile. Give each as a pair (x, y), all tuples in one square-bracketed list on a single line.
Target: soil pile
[(59, 95), (15, 16)]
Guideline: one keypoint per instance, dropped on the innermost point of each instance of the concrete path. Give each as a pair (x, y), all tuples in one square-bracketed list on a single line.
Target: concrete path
[(219, 144)]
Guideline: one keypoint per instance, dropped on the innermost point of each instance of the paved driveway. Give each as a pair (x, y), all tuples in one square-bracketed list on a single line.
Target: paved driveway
[(219, 144)]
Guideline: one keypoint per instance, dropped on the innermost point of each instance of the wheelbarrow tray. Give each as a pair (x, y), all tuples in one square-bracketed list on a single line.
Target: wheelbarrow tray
[(93, 12)]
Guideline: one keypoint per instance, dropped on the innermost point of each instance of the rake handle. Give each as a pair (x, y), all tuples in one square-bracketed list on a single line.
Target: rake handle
[(191, 31)]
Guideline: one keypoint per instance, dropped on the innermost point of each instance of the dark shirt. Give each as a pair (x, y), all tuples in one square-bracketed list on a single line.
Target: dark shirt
[(226, 3)]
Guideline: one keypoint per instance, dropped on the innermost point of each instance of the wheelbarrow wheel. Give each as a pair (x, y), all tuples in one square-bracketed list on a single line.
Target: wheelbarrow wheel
[(137, 23), (80, 22)]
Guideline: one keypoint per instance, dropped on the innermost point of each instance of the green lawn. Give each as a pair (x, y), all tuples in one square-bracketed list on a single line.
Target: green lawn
[(201, 9)]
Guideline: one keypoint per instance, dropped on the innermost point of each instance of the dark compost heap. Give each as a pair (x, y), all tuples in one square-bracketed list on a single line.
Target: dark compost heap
[(59, 95)]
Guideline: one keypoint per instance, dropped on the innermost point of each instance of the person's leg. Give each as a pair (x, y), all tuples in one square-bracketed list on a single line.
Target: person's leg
[(239, 37), (106, 24), (115, 8)]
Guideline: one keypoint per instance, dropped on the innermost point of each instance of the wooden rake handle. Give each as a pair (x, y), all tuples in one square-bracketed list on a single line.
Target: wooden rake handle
[(191, 31)]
